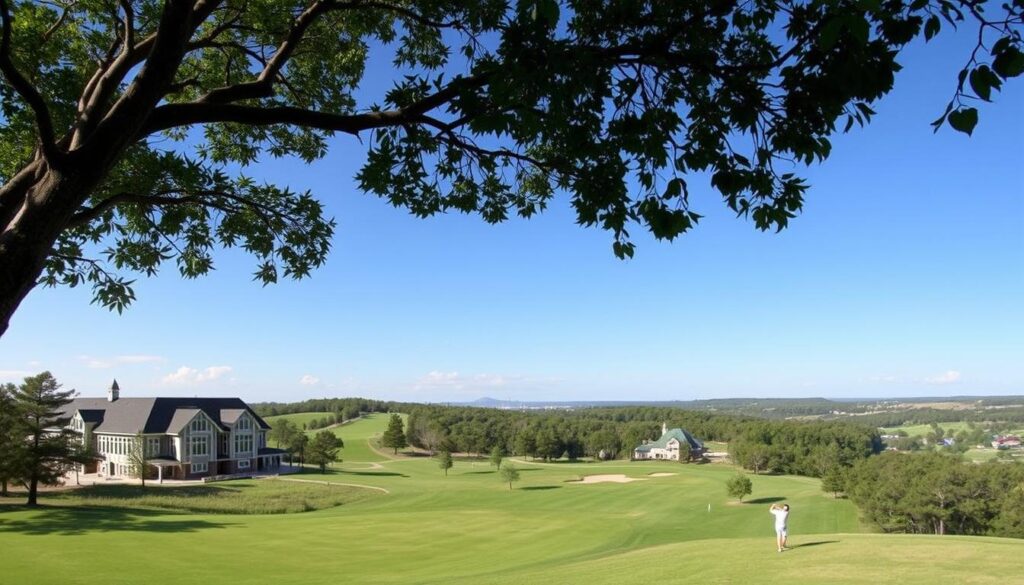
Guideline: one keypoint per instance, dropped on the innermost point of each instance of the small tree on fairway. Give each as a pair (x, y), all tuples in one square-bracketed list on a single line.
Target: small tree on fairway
[(12, 439), (137, 457), (394, 436), (509, 474), (48, 452), (497, 455), (323, 449), (739, 486), (444, 461), (833, 481)]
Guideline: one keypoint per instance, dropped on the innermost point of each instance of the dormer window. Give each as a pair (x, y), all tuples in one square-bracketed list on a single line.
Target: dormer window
[(244, 424), (199, 425)]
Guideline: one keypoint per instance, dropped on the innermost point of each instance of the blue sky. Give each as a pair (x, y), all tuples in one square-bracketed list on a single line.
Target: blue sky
[(903, 276)]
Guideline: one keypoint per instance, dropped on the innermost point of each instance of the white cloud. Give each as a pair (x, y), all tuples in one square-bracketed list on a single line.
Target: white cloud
[(309, 380), (187, 376), (947, 377), (107, 363), (13, 375)]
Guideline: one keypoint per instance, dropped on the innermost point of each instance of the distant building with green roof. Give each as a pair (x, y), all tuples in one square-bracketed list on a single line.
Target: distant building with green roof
[(674, 445)]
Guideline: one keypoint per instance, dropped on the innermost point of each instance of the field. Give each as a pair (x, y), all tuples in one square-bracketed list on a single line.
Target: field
[(469, 528), (951, 428)]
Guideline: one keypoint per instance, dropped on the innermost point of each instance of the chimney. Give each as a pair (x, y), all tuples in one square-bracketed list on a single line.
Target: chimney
[(113, 392), (664, 427)]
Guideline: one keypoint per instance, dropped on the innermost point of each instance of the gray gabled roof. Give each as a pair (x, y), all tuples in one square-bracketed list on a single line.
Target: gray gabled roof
[(157, 415), (678, 434)]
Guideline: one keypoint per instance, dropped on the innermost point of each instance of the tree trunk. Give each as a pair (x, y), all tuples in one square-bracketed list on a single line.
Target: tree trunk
[(33, 489), (38, 212)]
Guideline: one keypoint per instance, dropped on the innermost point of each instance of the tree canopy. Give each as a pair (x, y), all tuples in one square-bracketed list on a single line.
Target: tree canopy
[(124, 124)]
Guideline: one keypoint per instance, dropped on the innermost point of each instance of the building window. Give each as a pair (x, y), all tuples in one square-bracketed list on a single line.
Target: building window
[(243, 464), (199, 467), (244, 424), (152, 446), (199, 425), (243, 444), (199, 445)]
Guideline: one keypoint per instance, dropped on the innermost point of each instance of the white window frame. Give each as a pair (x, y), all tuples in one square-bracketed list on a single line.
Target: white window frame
[(243, 464), (152, 446), (203, 467), (194, 441)]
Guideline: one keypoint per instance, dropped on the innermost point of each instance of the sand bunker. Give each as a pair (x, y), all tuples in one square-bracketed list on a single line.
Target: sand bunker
[(662, 474), (616, 478)]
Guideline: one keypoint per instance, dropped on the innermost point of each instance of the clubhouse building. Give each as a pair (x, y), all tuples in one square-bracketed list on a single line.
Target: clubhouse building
[(184, 438), (673, 445)]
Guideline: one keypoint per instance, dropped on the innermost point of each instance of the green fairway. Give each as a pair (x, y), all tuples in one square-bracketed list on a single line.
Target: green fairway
[(469, 527), (357, 434)]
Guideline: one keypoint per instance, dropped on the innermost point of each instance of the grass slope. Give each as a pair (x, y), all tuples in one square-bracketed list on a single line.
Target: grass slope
[(356, 434), (469, 528)]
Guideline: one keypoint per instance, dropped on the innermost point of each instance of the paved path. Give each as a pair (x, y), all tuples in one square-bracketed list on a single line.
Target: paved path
[(358, 485)]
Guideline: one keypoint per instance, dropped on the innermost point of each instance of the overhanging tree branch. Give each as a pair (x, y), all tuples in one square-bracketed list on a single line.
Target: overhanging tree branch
[(27, 91), (170, 116)]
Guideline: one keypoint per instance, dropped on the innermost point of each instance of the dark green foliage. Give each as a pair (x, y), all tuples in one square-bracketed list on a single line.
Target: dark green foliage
[(834, 481), (738, 486), (394, 436), (49, 449), (936, 493), (12, 439), (299, 446), (495, 108), (283, 433), (444, 461), (509, 474), (323, 449)]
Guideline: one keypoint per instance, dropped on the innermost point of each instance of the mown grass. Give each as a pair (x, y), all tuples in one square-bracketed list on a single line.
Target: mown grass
[(468, 528), (266, 496)]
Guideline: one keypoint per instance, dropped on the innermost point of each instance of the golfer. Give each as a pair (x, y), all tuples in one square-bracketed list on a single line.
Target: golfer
[(781, 513)]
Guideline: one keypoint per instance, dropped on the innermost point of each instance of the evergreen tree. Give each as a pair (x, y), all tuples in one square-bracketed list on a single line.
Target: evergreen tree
[(394, 436), (12, 439), (323, 449), (444, 461), (50, 448)]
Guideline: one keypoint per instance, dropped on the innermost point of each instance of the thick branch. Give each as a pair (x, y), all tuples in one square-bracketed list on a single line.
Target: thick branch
[(175, 115), (26, 90)]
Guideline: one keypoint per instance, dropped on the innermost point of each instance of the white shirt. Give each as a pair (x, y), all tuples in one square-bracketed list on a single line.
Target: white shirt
[(780, 517)]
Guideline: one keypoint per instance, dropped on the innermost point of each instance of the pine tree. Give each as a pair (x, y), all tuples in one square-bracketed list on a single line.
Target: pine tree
[(394, 436), (12, 439), (50, 447)]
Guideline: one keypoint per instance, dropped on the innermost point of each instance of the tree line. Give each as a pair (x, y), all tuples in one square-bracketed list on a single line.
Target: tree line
[(612, 433), (340, 408), (937, 493)]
